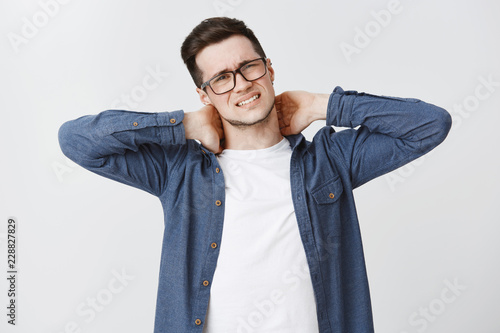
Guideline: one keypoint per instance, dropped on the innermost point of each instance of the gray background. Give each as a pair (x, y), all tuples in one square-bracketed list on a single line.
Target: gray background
[(425, 226)]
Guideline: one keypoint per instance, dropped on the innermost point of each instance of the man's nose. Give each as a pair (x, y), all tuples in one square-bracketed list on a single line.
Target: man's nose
[(241, 83)]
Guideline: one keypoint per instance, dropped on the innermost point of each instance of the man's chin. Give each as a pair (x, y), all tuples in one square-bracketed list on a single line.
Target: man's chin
[(242, 123)]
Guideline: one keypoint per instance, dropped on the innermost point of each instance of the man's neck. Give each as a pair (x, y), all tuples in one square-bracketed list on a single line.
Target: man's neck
[(258, 136)]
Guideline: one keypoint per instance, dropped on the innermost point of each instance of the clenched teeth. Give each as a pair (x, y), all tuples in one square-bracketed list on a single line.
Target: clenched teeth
[(249, 100)]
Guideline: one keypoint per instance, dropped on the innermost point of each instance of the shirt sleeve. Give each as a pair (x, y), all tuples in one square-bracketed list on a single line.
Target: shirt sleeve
[(135, 148), (392, 131)]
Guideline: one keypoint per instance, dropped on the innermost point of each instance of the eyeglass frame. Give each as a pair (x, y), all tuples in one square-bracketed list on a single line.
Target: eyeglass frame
[(236, 71)]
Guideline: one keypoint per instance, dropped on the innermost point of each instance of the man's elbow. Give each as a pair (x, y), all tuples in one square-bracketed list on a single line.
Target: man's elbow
[(66, 136), (438, 126), (443, 124)]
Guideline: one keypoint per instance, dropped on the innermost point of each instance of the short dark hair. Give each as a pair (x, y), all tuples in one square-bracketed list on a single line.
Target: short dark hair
[(211, 31)]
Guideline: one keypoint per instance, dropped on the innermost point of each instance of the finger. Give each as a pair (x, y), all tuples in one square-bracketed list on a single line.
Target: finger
[(286, 120), (282, 125), (277, 99), (221, 146), (285, 131), (281, 119), (220, 132)]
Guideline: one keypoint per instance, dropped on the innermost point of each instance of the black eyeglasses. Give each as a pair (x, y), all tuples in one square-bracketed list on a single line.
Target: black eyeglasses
[(224, 82)]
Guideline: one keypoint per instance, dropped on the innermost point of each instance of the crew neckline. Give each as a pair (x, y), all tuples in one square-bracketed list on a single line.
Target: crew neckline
[(253, 152)]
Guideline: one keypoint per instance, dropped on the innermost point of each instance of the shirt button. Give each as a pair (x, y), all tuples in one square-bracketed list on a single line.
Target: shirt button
[(218, 203), (331, 195), (206, 283), (217, 170), (197, 322), (135, 123), (213, 245), (172, 121)]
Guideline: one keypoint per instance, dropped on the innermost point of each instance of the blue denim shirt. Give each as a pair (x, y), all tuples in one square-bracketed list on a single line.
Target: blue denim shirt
[(149, 151)]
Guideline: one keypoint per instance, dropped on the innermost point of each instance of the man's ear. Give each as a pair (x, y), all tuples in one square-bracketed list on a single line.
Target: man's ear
[(270, 69), (203, 96)]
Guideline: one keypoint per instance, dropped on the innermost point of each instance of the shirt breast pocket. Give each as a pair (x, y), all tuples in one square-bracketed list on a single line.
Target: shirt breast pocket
[(326, 217), (329, 192)]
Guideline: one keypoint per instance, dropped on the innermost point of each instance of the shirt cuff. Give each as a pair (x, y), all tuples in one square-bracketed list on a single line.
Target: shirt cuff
[(340, 107), (170, 127)]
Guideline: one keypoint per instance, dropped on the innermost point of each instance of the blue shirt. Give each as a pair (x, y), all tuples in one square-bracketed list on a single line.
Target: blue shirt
[(149, 151)]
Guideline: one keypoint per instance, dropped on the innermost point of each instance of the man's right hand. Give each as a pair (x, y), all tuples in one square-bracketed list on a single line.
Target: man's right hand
[(205, 125)]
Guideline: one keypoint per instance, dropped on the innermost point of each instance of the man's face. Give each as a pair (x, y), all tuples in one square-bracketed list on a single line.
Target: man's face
[(229, 55)]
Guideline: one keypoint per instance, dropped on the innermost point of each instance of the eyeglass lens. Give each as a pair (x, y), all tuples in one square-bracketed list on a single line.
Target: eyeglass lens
[(251, 71)]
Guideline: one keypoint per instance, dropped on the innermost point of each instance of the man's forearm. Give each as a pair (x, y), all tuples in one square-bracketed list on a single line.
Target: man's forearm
[(408, 119), (393, 131), (93, 137), (320, 106), (134, 148)]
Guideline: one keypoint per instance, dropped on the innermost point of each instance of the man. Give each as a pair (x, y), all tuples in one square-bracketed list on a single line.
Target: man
[(261, 232)]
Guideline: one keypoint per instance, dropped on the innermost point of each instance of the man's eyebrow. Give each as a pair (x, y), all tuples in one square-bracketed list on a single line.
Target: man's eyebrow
[(225, 70)]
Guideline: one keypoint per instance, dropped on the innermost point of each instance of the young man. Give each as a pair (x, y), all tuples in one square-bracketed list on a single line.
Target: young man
[(261, 232)]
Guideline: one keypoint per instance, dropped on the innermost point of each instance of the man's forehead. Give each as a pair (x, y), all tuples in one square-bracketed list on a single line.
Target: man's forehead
[(227, 55)]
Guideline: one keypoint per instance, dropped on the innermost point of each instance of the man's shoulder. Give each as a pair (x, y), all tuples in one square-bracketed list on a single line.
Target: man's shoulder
[(327, 146), (321, 140)]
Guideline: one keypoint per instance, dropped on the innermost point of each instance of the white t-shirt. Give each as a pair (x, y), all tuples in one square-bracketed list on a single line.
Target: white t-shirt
[(262, 281)]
